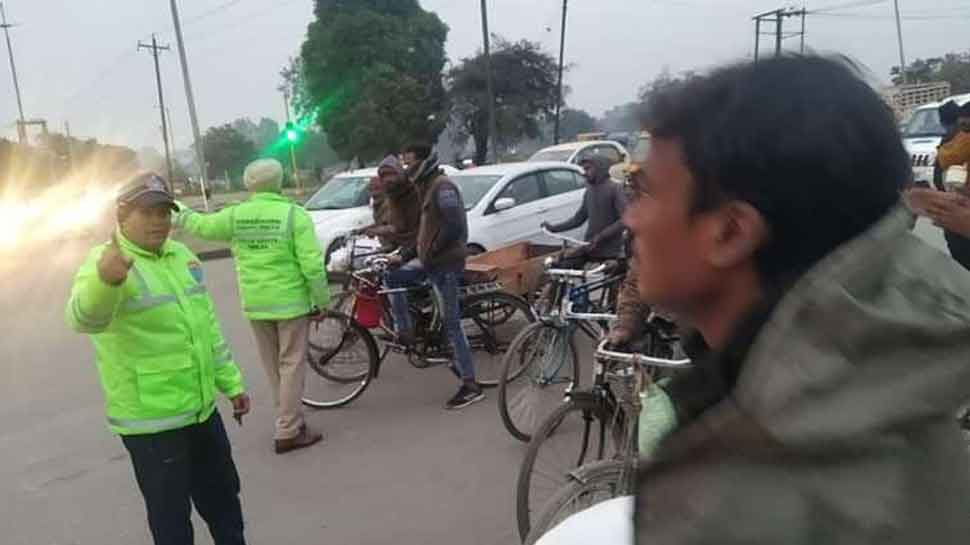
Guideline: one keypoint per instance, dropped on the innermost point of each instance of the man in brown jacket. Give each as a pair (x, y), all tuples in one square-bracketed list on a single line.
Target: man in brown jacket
[(824, 413), (399, 216)]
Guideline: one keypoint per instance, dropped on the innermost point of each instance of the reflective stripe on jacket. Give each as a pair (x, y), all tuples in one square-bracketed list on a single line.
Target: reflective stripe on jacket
[(278, 258), (160, 353)]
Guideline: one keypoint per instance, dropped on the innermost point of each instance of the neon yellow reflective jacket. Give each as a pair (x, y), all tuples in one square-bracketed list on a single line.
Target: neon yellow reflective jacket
[(160, 352), (278, 260)]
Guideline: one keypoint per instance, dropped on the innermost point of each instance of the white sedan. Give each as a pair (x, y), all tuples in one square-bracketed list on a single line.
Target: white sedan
[(505, 203)]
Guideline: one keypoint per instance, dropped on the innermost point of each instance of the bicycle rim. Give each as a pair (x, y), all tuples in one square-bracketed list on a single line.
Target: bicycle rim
[(549, 368), (579, 432), (592, 484), (342, 359), (491, 322)]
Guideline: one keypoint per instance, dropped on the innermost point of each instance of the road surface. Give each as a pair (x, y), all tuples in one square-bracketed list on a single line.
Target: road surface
[(395, 468)]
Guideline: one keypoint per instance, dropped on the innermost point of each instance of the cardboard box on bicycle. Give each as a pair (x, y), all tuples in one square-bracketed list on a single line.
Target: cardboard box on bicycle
[(518, 267)]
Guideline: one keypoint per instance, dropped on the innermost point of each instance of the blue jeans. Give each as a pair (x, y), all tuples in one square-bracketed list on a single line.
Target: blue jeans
[(445, 289)]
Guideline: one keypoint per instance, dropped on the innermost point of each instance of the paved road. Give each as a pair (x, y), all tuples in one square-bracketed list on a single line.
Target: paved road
[(396, 468)]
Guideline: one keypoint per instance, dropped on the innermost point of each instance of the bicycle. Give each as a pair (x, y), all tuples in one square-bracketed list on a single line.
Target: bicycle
[(344, 353), (592, 483), (542, 363)]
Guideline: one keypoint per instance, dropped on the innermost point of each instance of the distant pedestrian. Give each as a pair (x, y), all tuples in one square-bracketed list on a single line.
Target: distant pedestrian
[(163, 361), (282, 282)]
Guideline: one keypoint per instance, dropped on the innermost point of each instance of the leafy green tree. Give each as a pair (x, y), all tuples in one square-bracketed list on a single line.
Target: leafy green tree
[(370, 75), (525, 79), (952, 67), (227, 150), (574, 122)]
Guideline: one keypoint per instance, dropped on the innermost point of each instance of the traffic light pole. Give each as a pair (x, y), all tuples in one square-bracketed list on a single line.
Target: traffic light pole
[(296, 172)]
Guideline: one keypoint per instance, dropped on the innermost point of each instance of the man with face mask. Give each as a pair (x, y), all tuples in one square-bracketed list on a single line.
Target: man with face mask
[(163, 361)]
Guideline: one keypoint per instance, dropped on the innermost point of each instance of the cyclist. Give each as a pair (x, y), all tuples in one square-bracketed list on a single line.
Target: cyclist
[(400, 215), (439, 255), (839, 341)]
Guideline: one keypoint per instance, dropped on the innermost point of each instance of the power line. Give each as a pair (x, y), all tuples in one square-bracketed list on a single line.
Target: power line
[(848, 5)]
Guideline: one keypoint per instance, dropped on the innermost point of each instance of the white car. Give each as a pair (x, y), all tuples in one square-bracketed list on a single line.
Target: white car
[(922, 134), (505, 203), (342, 205), (574, 152)]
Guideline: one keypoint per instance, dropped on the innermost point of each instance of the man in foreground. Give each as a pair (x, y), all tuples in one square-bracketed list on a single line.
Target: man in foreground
[(282, 282), (163, 361), (839, 341)]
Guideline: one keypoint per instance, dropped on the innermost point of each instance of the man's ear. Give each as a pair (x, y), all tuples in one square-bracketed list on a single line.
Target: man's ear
[(741, 232)]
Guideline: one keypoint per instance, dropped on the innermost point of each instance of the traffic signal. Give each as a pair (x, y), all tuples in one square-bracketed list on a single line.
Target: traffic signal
[(292, 133)]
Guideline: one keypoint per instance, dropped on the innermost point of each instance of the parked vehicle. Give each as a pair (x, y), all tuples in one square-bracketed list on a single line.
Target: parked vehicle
[(342, 205), (574, 152), (922, 134)]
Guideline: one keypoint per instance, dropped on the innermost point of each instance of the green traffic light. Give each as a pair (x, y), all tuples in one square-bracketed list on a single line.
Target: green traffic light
[(292, 135)]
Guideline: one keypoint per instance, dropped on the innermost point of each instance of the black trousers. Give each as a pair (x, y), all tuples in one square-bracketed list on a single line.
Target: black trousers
[(959, 246), (192, 464)]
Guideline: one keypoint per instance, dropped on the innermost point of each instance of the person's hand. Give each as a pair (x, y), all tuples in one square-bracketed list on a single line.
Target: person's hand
[(395, 260), (241, 405), (617, 339), (952, 212), (114, 265)]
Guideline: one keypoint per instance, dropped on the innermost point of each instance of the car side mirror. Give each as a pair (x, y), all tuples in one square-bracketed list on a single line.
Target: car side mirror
[(504, 204)]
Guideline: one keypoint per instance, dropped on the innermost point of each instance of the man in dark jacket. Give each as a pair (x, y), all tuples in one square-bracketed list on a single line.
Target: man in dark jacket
[(839, 341), (399, 216), (602, 211), (439, 255)]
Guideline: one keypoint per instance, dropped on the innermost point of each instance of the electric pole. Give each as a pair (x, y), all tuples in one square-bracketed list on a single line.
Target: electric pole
[(899, 34), (777, 16), (155, 49), (490, 85), (562, 52), (193, 117), (21, 124)]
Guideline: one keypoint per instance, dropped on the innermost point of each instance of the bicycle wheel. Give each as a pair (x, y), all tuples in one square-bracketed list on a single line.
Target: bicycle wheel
[(538, 369), (590, 485), (491, 321), (579, 432), (343, 357)]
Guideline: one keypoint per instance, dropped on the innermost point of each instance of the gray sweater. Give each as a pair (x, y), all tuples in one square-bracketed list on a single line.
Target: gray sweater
[(602, 211)]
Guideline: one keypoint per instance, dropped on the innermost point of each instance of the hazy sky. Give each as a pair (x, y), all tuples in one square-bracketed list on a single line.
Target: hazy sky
[(77, 61)]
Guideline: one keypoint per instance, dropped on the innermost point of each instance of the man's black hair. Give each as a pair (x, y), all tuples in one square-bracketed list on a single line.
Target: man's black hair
[(420, 150), (803, 139), (949, 113)]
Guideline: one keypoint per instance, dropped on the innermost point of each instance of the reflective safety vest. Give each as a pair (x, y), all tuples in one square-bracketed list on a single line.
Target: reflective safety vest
[(160, 353), (278, 259)]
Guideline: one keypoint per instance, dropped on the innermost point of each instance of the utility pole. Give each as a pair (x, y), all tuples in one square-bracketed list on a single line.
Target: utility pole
[(492, 126), (21, 124), (70, 146), (777, 16), (562, 52), (899, 34), (193, 117), (296, 171), (155, 49)]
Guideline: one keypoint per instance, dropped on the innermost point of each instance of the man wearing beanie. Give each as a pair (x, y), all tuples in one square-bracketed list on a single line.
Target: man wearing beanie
[(282, 282), (163, 362), (400, 217)]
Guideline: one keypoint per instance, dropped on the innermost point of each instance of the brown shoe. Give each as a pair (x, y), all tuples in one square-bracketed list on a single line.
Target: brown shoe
[(304, 440)]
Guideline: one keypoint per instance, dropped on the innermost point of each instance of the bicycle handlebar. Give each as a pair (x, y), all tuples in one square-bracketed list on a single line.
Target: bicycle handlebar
[(570, 315), (564, 238), (640, 359), (599, 270)]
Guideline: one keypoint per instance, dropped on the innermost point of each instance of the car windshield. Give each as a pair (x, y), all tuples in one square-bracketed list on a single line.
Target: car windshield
[(340, 194), (551, 155), (473, 187), (924, 123)]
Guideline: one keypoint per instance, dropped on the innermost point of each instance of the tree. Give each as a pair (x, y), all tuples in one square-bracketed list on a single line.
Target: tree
[(663, 82), (574, 122), (952, 67), (261, 134), (525, 80), (370, 75), (227, 150)]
